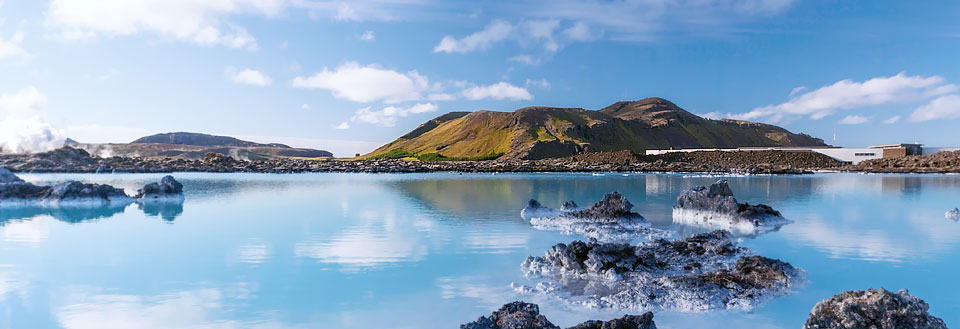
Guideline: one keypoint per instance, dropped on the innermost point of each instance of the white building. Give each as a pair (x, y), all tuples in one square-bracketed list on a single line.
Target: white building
[(851, 155)]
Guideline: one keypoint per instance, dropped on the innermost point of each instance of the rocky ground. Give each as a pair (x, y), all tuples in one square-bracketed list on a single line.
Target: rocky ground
[(941, 162), (758, 162)]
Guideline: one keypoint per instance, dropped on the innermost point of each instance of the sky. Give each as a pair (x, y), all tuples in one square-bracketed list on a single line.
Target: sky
[(350, 76)]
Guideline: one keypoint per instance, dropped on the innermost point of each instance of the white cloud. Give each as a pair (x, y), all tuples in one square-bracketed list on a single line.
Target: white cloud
[(365, 84), (579, 31), (541, 83), (849, 94), (305, 107), (22, 127), (526, 33), (499, 91), (495, 32), (524, 59), (387, 117), (342, 126), (203, 22), (892, 119), (942, 108), (853, 120), (11, 49), (248, 77), (543, 31), (368, 36)]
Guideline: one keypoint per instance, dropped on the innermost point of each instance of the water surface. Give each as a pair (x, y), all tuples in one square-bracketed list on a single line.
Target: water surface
[(432, 250)]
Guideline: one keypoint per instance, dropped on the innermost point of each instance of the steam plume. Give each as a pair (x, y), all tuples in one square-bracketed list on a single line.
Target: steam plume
[(22, 127)]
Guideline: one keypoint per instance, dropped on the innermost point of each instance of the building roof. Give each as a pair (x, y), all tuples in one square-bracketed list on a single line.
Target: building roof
[(887, 146)]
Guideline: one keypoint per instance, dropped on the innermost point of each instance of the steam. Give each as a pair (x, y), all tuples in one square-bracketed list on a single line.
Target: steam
[(22, 128)]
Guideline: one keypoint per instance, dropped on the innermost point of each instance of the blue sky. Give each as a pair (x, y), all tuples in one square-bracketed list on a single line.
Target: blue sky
[(349, 76)]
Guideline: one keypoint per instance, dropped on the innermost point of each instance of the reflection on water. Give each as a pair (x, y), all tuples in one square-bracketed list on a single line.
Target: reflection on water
[(66, 213), (168, 211), (432, 250)]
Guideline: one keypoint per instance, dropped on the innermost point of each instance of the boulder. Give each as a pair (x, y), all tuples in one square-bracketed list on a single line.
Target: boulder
[(873, 309), (715, 207), (168, 188), (520, 315)]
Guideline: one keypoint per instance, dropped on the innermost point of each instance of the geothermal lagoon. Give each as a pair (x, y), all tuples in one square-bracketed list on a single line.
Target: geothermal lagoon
[(436, 250)]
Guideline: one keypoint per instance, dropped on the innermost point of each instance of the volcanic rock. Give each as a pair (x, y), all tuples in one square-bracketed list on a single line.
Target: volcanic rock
[(611, 219), (715, 207), (873, 309), (168, 188), (520, 315), (704, 272)]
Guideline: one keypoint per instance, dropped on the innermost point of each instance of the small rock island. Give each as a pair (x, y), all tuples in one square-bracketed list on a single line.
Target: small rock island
[(704, 272), (715, 207), (611, 219), (167, 190), (14, 192)]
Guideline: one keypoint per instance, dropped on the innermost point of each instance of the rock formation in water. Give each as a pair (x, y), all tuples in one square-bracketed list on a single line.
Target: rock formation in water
[(715, 207), (168, 189), (873, 309), (953, 214), (611, 219), (704, 272), (520, 315), (15, 191)]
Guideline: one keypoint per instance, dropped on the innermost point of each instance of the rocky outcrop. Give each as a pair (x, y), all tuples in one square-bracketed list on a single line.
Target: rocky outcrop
[(7, 177), (715, 207), (611, 219), (520, 315), (704, 272), (167, 189), (874, 309), (940, 162), (953, 214), (14, 191)]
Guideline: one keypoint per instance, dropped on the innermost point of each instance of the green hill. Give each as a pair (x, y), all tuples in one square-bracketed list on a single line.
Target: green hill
[(546, 132)]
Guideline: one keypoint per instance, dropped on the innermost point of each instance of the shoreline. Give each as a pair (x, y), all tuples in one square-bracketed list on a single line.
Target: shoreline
[(70, 160)]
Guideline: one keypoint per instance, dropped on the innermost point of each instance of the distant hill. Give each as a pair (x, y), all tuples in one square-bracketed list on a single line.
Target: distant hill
[(185, 138), (194, 146), (546, 132)]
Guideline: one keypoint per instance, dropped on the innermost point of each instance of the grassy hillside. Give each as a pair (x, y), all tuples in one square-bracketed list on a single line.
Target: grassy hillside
[(544, 132)]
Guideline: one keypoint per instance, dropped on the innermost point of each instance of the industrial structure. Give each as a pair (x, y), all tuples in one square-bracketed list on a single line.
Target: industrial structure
[(844, 154)]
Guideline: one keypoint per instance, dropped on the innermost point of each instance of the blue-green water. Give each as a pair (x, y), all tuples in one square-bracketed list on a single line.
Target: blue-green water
[(432, 250)]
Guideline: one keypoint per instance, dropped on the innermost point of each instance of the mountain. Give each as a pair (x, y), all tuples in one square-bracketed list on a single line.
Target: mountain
[(185, 138), (545, 132), (195, 146)]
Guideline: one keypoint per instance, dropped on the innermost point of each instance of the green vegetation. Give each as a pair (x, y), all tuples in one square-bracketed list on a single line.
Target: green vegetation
[(404, 154), (394, 154)]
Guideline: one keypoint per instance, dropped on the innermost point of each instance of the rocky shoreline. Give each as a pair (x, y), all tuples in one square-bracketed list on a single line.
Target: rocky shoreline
[(71, 160)]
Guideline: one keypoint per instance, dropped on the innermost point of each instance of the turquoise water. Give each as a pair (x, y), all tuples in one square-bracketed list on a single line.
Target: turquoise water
[(432, 250)]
